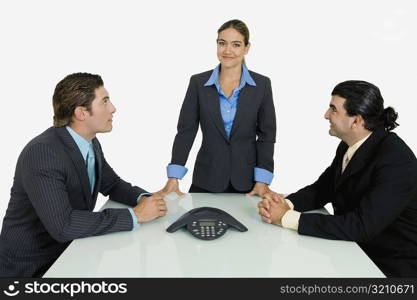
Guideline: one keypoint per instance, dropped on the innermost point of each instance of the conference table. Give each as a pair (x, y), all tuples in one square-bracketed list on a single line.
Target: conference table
[(265, 250)]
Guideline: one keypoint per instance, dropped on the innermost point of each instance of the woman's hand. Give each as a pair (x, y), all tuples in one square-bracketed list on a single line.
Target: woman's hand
[(259, 189), (171, 186), (262, 190)]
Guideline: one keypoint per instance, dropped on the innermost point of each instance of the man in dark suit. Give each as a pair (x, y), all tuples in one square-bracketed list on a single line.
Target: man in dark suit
[(371, 183), (58, 176)]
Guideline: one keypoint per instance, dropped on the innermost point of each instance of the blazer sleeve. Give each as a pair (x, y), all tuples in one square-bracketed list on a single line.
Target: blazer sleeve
[(313, 196), (187, 125), (391, 190), (318, 194), (44, 180), (266, 130), (116, 188)]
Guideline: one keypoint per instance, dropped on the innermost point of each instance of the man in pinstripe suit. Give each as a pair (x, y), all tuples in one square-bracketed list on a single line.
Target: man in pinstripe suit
[(58, 176)]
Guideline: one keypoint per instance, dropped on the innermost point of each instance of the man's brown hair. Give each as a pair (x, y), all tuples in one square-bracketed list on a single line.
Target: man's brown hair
[(74, 90)]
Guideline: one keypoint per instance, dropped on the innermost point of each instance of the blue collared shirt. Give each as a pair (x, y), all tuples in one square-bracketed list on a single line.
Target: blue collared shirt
[(81, 142), (84, 145), (228, 108)]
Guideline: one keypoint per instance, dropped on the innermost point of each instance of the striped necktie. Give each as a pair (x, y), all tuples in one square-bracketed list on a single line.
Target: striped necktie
[(90, 161), (345, 162)]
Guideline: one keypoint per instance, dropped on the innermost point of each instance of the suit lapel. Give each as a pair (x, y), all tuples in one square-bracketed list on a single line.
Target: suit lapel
[(339, 158), (361, 157), (245, 96), (214, 107), (77, 159)]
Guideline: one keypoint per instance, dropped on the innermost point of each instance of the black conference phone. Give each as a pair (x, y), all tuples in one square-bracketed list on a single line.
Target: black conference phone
[(206, 223)]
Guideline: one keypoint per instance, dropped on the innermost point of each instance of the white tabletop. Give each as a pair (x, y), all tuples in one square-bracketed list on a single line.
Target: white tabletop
[(265, 250)]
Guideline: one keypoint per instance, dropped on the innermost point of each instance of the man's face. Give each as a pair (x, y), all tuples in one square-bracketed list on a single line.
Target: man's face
[(340, 121), (100, 118), (231, 48)]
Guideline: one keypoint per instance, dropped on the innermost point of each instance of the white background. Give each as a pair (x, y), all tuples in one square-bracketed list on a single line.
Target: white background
[(147, 51)]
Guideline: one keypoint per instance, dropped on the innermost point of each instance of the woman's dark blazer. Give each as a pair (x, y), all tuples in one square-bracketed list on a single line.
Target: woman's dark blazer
[(221, 159)]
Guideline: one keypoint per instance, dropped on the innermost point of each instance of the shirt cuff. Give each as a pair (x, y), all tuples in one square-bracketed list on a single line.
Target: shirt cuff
[(290, 219), (176, 171), (262, 175), (141, 195), (289, 204), (134, 218)]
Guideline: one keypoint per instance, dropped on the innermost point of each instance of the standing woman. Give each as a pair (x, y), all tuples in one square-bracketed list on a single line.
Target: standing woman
[(235, 110)]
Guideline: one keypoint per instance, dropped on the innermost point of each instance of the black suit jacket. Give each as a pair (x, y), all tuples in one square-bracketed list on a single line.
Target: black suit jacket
[(221, 159), (51, 203), (374, 200)]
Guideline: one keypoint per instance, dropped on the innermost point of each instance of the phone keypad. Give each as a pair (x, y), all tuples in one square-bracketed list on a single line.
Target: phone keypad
[(208, 232)]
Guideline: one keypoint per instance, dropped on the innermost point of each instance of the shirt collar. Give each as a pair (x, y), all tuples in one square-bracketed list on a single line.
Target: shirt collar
[(352, 149), (81, 142), (245, 78)]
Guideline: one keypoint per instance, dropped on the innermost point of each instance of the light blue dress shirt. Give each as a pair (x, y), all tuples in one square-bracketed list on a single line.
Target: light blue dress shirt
[(84, 145), (228, 108)]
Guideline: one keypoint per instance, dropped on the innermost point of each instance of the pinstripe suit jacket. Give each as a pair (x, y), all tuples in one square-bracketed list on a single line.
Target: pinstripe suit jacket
[(51, 203)]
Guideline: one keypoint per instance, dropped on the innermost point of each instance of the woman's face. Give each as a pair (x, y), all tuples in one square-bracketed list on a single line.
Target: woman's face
[(231, 48)]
